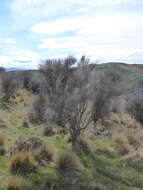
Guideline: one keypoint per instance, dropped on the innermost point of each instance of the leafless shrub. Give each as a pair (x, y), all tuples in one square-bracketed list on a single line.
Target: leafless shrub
[(2, 70), (57, 74), (9, 83), (135, 108), (106, 89), (37, 114), (26, 77)]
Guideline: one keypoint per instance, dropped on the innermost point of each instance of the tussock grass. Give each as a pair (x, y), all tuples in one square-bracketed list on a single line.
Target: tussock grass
[(16, 183), (22, 163), (67, 162), (2, 139), (44, 155), (48, 130)]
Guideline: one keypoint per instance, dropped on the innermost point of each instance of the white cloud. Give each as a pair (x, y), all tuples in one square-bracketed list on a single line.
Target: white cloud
[(67, 42), (22, 59), (48, 8), (115, 25), (106, 35), (8, 41), (57, 26)]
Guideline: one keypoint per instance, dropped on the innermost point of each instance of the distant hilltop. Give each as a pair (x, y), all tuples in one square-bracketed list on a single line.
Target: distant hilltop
[(16, 69)]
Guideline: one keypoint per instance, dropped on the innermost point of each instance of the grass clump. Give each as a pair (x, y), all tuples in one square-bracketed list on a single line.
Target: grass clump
[(22, 163), (2, 143), (25, 124), (107, 149), (84, 145), (48, 131), (121, 142), (25, 145), (67, 162), (2, 139), (62, 131), (44, 155), (16, 183)]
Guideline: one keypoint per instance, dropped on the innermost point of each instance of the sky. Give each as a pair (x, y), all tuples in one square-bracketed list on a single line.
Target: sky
[(104, 30)]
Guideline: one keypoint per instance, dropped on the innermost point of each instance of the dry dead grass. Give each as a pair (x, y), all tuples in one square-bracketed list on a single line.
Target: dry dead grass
[(2, 139), (16, 183), (67, 162), (22, 163), (107, 149)]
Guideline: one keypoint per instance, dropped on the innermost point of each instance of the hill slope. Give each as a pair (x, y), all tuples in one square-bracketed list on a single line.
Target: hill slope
[(131, 73), (105, 168)]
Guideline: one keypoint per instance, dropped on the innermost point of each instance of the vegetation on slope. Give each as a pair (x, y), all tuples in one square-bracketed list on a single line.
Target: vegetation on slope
[(66, 127)]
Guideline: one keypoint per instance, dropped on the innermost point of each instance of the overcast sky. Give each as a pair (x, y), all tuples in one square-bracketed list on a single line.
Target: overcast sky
[(104, 30)]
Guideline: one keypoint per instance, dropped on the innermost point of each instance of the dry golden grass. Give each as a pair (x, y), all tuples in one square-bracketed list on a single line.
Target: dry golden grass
[(135, 160), (24, 95), (124, 149), (107, 149), (2, 139), (67, 161), (122, 119), (119, 137), (22, 163), (119, 120), (134, 140), (21, 156), (121, 142), (16, 183), (1, 119)]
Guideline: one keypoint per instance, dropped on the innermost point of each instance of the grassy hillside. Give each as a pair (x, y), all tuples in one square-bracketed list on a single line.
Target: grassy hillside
[(131, 73), (107, 166)]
